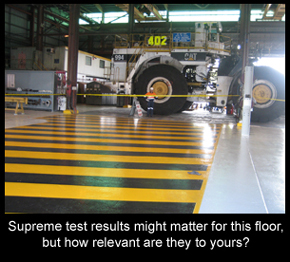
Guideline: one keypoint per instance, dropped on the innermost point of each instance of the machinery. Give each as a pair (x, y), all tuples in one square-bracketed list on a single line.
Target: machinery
[(199, 65), (39, 86)]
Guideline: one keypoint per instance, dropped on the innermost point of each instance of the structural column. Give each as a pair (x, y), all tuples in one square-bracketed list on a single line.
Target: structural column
[(245, 32), (37, 63), (31, 30), (247, 100), (73, 46), (131, 18), (248, 71), (40, 25)]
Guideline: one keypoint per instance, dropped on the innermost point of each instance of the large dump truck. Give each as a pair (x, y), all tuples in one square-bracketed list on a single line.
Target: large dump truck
[(192, 67)]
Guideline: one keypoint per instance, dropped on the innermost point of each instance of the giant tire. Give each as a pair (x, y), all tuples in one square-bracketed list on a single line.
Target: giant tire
[(268, 80), (166, 80), (187, 105)]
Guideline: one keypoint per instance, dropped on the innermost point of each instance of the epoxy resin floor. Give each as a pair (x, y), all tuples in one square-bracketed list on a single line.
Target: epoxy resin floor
[(89, 163)]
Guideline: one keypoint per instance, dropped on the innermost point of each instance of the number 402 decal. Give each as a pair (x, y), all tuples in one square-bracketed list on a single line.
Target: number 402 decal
[(157, 40)]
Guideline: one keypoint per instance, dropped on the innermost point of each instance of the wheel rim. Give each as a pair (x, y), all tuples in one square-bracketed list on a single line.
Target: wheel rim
[(264, 92), (161, 87)]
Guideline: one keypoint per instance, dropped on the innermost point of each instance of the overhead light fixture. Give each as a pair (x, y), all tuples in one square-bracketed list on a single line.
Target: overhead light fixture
[(66, 35)]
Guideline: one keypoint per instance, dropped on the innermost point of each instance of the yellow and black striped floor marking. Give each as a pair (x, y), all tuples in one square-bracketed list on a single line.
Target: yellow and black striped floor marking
[(97, 164)]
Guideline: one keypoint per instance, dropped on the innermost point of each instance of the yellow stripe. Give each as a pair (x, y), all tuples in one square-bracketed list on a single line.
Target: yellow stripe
[(106, 120), (109, 148), (122, 141), (105, 158), (106, 172), (106, 193), (104, 134), (134, 127), (201, 132), (203, 186), (126, 120), (119, 127), (121, 124), (100, 193)]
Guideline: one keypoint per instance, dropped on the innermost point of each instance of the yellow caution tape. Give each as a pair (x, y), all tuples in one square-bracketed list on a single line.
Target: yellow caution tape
[(270, 98), (127, 95), (116, 95)]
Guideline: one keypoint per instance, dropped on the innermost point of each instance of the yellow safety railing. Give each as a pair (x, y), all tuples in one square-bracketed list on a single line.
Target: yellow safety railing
[(132, 61)]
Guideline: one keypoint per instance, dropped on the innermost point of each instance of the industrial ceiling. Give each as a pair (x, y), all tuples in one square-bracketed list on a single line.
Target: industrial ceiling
[(98, 38), (96, 8)]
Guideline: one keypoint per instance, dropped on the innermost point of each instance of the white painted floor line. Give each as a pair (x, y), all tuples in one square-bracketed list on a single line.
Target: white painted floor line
[(258, 182)]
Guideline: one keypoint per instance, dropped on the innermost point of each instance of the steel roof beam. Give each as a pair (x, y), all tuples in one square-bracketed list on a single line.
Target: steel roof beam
[(151, 8)]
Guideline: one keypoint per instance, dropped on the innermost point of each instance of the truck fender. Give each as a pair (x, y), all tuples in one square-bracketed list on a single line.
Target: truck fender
[(158, 59)]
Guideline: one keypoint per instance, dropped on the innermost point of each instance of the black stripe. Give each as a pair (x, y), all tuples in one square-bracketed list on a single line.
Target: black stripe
[(125, 165), (106, 152), (112, 137), (56, 205), (126, 120), (108, 143), (121, 124), (73, 130), (158, 124), (179, 184), (112, 128)]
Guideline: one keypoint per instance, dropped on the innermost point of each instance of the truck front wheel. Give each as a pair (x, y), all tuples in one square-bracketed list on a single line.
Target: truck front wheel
[(268, 90), (166, 81)]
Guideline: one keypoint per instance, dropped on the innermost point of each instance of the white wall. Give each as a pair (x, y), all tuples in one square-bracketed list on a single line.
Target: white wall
[(93, 69), (58, 60)]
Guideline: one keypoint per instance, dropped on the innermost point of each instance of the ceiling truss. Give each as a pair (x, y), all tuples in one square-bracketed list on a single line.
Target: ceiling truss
[(139, 12), (279, 12), (98, 38)]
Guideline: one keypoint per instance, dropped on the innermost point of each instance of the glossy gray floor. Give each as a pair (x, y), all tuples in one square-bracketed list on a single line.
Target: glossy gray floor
[(248, 173)]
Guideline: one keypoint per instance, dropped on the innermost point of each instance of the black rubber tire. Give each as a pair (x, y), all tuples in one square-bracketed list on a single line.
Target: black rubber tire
[(186, 105), (178, 83), (278, 107)]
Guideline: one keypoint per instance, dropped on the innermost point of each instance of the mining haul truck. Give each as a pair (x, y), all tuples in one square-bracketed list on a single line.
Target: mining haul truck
[(192, 67)]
